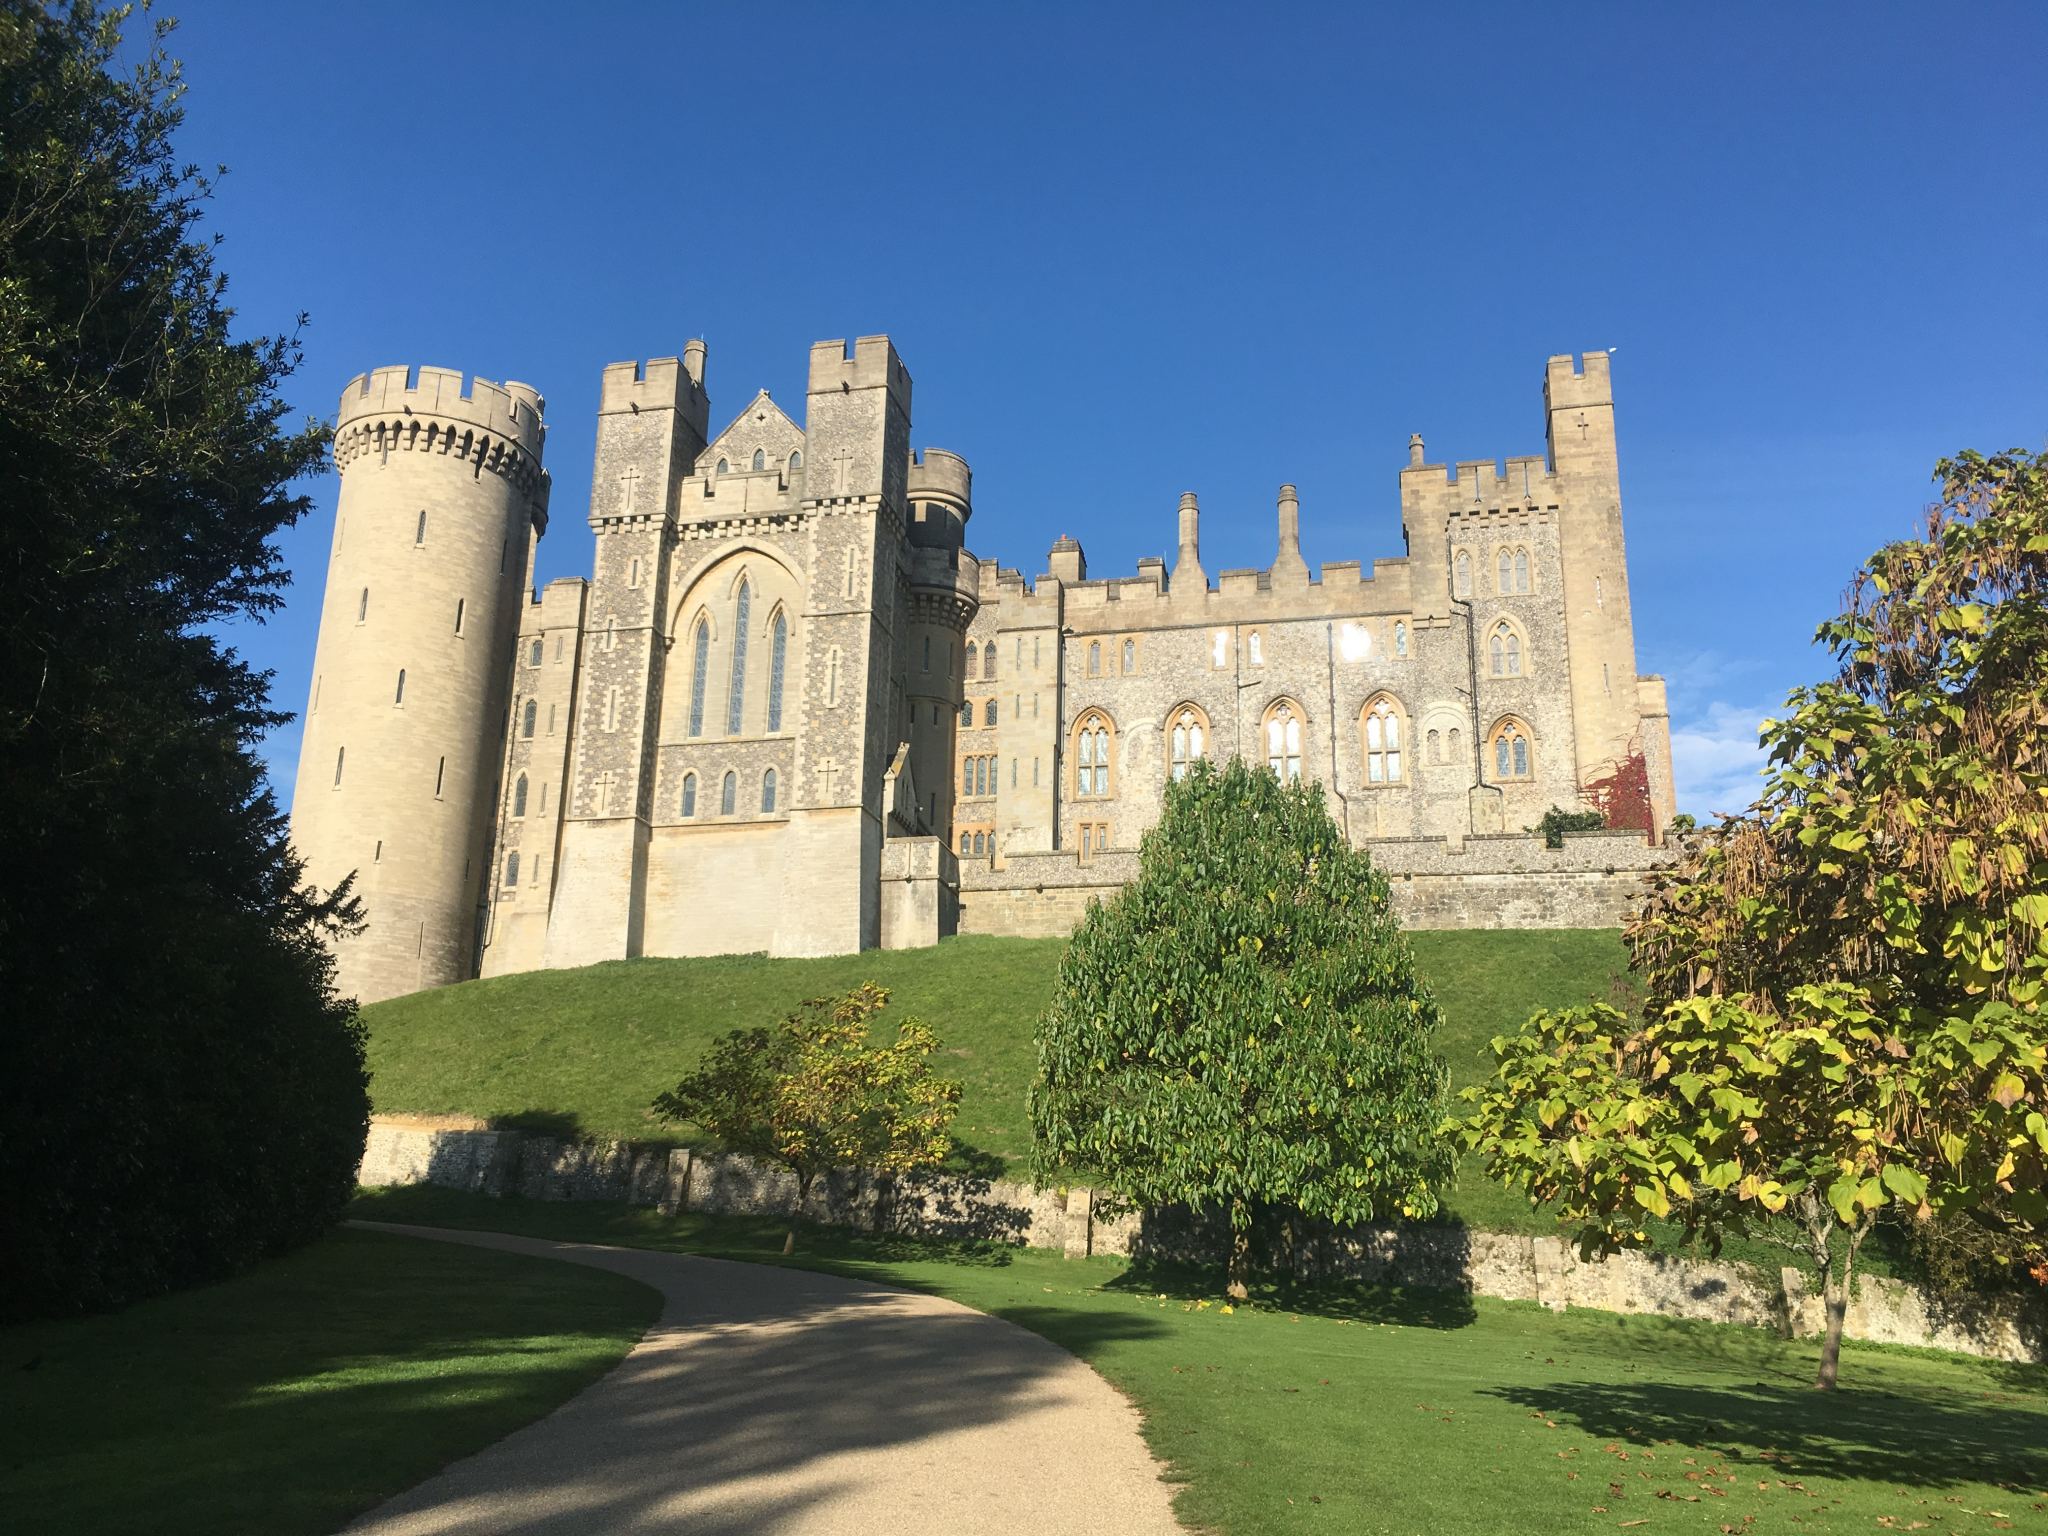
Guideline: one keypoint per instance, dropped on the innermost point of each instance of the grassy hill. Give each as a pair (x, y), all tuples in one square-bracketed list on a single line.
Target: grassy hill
[(584, 1052)]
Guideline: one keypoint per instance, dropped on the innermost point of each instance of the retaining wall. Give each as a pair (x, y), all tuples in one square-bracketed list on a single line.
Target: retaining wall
[(467, 1155)]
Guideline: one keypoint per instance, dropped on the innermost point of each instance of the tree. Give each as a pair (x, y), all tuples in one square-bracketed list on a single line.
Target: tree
[(1242, 1024), (812, 1094), (1843, 986), (180, 1091)]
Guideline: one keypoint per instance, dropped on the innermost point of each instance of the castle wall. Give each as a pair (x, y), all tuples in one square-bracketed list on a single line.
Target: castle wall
[(896, 696)]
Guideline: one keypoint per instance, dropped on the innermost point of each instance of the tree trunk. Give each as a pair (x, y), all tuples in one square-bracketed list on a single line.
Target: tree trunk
[(803, 1193), (1838, 1312), (1238, 1278)]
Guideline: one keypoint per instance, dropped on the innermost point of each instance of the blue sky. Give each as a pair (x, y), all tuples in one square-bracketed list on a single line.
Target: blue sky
[(1133, 250)]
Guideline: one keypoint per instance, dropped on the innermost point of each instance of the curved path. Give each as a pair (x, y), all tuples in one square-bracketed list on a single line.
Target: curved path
[(774, 1400)]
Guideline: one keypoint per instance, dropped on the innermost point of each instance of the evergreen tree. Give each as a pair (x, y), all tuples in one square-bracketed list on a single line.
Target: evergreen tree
[(1243, 1026), (180, 1091)]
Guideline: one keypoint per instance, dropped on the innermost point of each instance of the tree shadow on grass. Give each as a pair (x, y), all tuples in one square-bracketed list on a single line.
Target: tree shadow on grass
[(1873, 1436), (1400, 1306)]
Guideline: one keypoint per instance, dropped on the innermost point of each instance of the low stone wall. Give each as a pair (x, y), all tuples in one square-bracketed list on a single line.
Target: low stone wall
[(1498, 881), (467, 1155)]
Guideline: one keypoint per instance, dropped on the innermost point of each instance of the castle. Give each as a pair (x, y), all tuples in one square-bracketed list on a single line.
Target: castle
[(791, 712)]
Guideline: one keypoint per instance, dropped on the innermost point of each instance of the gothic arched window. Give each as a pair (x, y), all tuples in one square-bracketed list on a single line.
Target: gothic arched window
[(1511, 750), (519, 796), (1092, 754), (1189, 735), (700, 666), (760, 459), (512, 867), (768, 790), (1383, 733), (1130, 657), (966, 845), (988, 661), (796, 458), (728, 794), (967, 715), (736, 698), (1400, 639), (529, 718), (1505, 578), (973, 657), (778, 656), (1504, 650), (1095, 658), (1283, 742), (1461, 575), (533, 654), (689, 795), (988, 713), (1521, 570)]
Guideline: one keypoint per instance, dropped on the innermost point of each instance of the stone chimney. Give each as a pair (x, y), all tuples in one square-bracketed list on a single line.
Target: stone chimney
[(1288, 564), (1188, 574)]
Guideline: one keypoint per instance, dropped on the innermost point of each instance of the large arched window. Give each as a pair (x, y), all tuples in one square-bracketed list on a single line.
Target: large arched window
[(760, 459), (1511, 750), (768, 790), (1093, 736), (796, 458), (689, 795), (778, 658), (529, 718), (1283, 741), (736, 696), (1504, 650), (1188, 738), (728, 794), (1384, 731), (700, 667), (519, 796)]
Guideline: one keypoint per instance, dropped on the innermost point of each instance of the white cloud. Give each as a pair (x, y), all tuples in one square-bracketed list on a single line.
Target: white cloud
[(1715, 758)]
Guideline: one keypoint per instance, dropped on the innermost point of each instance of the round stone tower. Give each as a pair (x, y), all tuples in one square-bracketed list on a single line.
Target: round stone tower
[(944, 594), (442, 498)]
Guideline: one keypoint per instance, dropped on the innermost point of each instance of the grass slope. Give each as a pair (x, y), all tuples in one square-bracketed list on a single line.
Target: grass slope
[(291, 1398), (584, 1052), (1388, 1411)]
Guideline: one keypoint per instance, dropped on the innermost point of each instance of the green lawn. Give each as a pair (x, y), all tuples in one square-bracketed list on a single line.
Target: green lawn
[(1389, 1411), (584, 1052), (291, 1398)]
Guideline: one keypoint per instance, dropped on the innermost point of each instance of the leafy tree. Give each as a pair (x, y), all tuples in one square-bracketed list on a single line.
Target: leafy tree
[(812, 1094), (1843, 986), (1243, 1024), (180, 1091)]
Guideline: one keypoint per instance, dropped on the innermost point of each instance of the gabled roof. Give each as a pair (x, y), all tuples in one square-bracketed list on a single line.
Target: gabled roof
[(763, 426)]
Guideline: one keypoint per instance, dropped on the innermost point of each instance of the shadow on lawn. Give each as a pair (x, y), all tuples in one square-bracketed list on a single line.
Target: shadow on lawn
[(1798, 1432)]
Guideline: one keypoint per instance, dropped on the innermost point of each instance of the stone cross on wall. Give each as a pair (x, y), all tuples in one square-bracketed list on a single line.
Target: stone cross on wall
[(631, 481), (828, 770), (604, 783), (842, 471), (1582, 424)]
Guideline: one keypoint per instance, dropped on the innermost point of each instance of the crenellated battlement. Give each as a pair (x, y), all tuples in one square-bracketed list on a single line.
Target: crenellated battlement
[(870, 363), (659, 384), (490, 427), (511, 411), (1569, 386)]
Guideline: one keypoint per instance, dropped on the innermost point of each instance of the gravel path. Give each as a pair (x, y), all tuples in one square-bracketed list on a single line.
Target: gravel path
[(774, 1400)]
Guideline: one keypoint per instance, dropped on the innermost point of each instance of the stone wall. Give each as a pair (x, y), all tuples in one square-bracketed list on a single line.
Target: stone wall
[(1508, 880), (467, 1155)]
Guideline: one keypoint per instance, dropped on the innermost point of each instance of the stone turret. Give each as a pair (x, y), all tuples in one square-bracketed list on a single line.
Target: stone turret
[(442, 498)]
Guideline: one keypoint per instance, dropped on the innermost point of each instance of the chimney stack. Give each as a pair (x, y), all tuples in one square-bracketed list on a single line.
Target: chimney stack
[(1289, 565)]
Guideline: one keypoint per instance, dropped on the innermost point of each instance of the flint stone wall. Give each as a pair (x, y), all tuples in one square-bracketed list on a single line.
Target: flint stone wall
[(458, 1153)]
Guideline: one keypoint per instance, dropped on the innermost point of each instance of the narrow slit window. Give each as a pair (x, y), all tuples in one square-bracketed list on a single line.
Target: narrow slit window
[(728, 794), (689, 795), (459, 606), (340, 756), (419, 533), (399, 696), (768, 790), (777, 656), (700, 665)]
